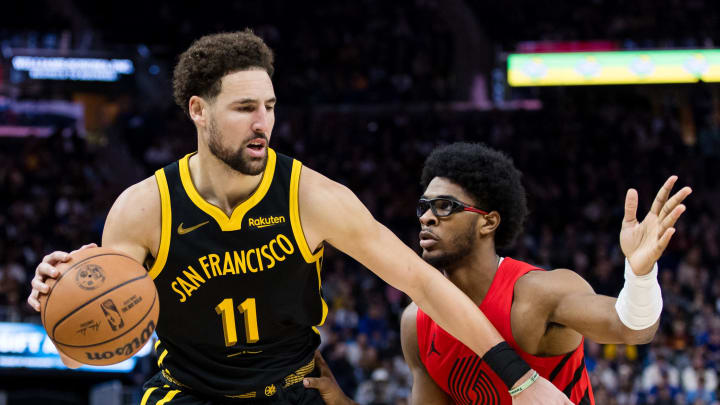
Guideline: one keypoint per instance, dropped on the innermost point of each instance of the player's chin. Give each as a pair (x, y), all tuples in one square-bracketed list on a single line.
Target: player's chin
[(432, 257)]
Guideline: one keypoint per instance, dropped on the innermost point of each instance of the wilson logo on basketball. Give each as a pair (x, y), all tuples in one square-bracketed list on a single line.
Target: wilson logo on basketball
[(128, 348), (263, 222), (90, 276), (112, 314)]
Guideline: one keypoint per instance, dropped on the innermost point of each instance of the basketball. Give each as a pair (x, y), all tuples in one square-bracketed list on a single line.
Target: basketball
[(102, 308)]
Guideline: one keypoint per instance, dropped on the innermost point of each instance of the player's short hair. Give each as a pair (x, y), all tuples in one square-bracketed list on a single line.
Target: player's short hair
[(202, 66), (489, 176)]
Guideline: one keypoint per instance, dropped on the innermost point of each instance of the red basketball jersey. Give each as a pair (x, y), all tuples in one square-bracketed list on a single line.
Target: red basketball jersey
[(468, 380)]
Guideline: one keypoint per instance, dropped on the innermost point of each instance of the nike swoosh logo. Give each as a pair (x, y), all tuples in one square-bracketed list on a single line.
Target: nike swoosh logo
[(183, 231)]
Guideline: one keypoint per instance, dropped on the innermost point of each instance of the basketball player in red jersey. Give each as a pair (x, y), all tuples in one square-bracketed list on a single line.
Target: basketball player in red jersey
[(474, 202), (223, 83)]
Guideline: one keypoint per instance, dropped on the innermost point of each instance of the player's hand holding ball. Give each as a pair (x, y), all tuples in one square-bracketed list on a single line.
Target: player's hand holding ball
[(98, 305)]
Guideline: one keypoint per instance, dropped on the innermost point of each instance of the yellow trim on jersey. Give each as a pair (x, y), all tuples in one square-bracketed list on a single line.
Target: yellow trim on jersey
[(296, 225), (234, 222), (170, 395), (161, 358), (295, 216), (147, 395), (157, 343), (318, 266), (166, 225)]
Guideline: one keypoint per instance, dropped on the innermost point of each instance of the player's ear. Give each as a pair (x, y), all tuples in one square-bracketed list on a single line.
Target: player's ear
[(488, 223), (197, 108)]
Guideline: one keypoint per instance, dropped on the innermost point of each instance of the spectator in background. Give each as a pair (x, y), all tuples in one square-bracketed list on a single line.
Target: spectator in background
[(12, 281), (660, 374), (663, 393), (698, 380)]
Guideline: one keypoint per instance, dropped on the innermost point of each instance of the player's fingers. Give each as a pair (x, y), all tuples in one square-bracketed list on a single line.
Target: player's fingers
[(665, 239), (39, 286), (33, 301), (46, 270), (631, 204), (663, 195), (319, 383), (670, 219), (674, 201), (56, 257)]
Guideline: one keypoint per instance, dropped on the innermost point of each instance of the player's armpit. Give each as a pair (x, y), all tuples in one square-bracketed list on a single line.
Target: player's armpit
[(572, 302), (133, 224), (424, 389)]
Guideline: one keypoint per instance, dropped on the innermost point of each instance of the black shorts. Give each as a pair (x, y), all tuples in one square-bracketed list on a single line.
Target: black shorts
[(160, 391)]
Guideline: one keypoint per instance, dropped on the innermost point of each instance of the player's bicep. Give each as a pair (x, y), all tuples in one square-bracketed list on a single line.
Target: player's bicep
[(578, 307)]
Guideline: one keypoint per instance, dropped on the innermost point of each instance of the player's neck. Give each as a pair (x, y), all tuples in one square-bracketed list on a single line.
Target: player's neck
[(475, 273), (219, 184)]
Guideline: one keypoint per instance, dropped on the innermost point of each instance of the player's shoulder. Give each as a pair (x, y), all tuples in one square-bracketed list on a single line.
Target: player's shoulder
[(139, 203), (315, 183), (320, 196), (548, 285)]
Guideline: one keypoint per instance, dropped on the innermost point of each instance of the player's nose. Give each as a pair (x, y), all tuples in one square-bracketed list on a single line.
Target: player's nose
[(428, 218), (261, 120)]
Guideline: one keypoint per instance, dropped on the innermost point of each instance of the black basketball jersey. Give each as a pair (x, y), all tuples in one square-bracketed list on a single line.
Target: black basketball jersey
[(239, 296)]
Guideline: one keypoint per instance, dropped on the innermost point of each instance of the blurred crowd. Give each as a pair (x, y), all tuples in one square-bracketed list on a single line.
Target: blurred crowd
[(579, 154), (364, 90)]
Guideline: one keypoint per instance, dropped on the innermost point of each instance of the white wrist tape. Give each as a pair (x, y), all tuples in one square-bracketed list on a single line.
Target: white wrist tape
[(640, 301)]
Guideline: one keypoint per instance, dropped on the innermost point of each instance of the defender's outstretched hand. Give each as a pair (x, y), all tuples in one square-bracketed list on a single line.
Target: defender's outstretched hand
[(644, 242)]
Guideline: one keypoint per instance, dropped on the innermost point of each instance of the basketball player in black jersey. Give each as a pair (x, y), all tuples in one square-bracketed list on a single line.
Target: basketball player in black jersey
[(233, 237)]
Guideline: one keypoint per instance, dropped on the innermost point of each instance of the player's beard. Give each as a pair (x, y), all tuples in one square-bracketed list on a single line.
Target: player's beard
[(236, 160), (457, 249)]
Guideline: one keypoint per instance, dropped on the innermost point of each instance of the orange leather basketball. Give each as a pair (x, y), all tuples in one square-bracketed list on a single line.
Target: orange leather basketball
[(103, 307)]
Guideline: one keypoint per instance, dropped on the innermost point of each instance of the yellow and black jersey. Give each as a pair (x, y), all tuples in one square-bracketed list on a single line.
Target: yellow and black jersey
[(239, 295)]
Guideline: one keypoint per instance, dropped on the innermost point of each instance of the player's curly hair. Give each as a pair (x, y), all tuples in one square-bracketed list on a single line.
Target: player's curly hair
[(489, 176), (202, 66)]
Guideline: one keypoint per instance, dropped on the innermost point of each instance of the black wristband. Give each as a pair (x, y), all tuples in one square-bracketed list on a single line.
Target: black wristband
[(503, 360)]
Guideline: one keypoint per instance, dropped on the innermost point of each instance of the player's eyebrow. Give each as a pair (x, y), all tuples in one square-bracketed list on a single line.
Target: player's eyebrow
[(253, 101)]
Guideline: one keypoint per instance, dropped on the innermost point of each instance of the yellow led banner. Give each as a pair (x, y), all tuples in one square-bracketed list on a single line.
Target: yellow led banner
[(625, 67)]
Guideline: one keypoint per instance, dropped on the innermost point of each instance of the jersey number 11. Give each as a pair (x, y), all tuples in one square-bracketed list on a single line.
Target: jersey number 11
[(227, 311)]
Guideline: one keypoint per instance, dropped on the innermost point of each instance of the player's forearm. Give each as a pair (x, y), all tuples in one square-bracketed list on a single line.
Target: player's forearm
[(594, 316), (638, 337), (614, 331), (450, 308)]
